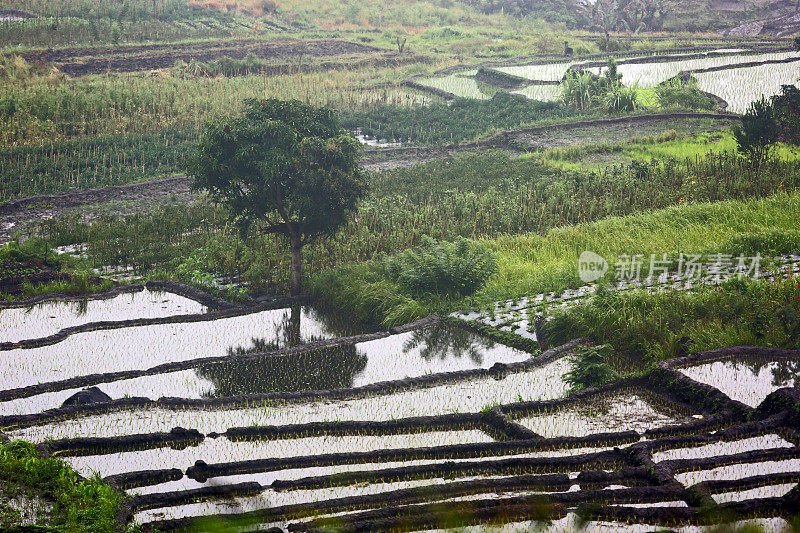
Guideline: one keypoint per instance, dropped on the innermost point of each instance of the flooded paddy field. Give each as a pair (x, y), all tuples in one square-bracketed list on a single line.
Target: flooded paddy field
[(287, 418), (736, 75), (45, 318)]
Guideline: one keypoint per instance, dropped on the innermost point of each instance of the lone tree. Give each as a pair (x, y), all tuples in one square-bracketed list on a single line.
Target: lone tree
[(287, 166)]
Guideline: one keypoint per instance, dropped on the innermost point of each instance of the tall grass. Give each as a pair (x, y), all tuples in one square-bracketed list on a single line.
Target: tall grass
[(57, 32), (485, 195), (650, 327), (529, 264), (92, 162), (535, 263), (47, 108)]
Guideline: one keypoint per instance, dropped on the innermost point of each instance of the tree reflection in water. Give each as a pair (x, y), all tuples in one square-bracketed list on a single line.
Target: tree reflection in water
[(785, 372), (442, 341), (328, 368)]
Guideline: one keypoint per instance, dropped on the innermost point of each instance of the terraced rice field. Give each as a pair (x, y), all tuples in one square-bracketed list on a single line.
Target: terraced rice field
[(548, 72), (462, 84), (651, 74), (269, 417), (545, 93), (556, 71), (736, 86), (517, 316)]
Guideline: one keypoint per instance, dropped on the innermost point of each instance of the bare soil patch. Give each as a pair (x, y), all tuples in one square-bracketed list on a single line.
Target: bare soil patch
[(93, 60)]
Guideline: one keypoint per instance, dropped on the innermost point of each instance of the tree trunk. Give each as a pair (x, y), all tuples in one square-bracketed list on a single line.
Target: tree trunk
[(297, 265), (293, 333)]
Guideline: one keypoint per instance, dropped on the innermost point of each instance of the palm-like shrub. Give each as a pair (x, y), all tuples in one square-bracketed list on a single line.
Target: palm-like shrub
[(580, 89), (450, 268), (621, 99), (590, 368)]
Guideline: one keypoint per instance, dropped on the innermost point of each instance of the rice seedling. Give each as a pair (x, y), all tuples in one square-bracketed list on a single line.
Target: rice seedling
[(771, 491), (65, 142), (742, 86), (546, 72), (542, 93), (461, 397), (649, 75), (738, 471), (462, 85), (111, 350), (621, 412), (50, 317), (761, 442)]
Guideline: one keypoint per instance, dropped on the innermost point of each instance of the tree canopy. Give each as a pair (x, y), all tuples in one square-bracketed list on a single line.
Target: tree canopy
[(758, 132), (284, 164)]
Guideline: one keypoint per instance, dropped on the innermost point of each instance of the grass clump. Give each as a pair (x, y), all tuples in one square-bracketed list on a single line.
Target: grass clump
[(771, 242), (590, 368), (458, 268), (679, 94), (79, 505), (535, 263), (401, 288), (645, 328), (14, 254), (32, 268)]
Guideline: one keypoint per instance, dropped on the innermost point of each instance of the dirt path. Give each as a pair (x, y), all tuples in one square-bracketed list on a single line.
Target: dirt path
[(83, 61), (145, 195)]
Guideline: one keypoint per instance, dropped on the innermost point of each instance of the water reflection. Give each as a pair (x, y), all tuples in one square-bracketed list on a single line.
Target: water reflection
[(430, 350), (785, 372), (441, 342), (329, 368), (748, 380)]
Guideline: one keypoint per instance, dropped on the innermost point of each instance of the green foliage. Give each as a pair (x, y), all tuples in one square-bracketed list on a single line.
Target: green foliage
[(287, 165), (463, 119), (131, 10), (89, 162), (20, 262), (621, 99), (284, 162), (677, 94), (758, 133), (583, 90), (786, 107), (14, 68), (29, 251), (590, 368), (645, 327), (80, 506), (477, 195), (367, 295), (459, 268), (79, 284), (567, 12), (226, 66), (391, 291), (55, 31), (766, 243)]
